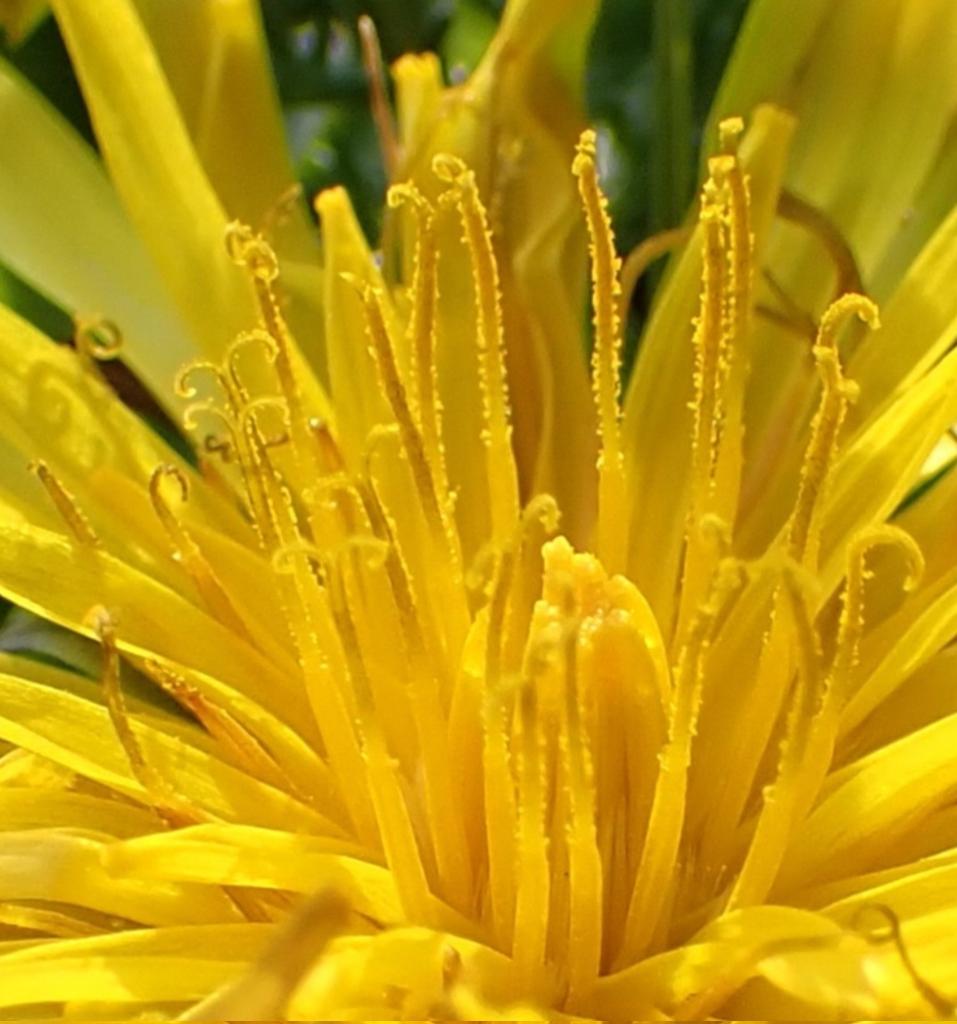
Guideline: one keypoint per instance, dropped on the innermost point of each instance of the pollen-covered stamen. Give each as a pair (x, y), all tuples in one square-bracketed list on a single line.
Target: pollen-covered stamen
[(391, 810), (651, 887), (837, 394), (300, 571), (250, 419), (172, 808), (253, 252), (816, 743), (443, 537), (227, 444), (851, 626), (606, 357), (425, 692), (585, 894), (780, 810), (183, 385), (330, 454), (738, 310), (188, 554), (383, 353), (269, 496), (502, 473), (222, 727), (424, 368), (66, 505), (533, 872), (500, 809), (710, 342), (240, 345)]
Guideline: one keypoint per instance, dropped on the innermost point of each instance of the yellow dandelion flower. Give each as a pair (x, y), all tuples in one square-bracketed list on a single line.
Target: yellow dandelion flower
[(453, 680)]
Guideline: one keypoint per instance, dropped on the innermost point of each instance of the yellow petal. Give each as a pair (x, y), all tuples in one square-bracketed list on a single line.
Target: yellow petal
[(57, 203), (215, 58), (352, 375), (918, 323), (57, 866), (245, 856), (899, 647), (899, 785), (881, 463), (77, 733), (50, 576), (24, 808), (155, 169), (175, 964)]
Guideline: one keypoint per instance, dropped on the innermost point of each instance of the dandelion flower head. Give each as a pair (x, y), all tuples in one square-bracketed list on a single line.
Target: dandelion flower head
[(455, 677)]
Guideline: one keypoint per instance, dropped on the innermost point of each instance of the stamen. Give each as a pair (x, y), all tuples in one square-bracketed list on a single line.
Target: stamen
[(640, 259), (384, 355), (584, 861), (183, 386), (391, 811), (301, 568), (892, 933), (729, 132), (422, 327), (666, 822), (500, 810), (283, 560), (799, 211), (173, 809), (255, 254), (533, 874), (711, 341), (425, 697), (437, 514), (188, 554), (502, 473), (781, 803), (710, 346), (330, 454), (97, 338), (66, 505), (851, 624), (228, 445), (606, 358), (243, 342), (738, 301), (837, 394), (249, 418), (221, 726), (379, 95), (214, 445)]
